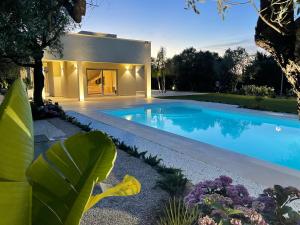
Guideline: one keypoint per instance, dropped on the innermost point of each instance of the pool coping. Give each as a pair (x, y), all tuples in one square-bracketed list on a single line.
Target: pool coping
[(254, 169)]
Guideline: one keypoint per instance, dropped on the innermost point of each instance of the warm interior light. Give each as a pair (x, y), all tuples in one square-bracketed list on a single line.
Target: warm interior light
[(81, 97)]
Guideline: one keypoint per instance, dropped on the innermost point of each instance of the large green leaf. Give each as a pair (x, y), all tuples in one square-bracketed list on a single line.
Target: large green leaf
[(63, 178), (16, 132), (16, 153)]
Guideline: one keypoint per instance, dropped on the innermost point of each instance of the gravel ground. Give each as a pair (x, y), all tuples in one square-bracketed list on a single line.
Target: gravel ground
[(133, 210), (140, 209)]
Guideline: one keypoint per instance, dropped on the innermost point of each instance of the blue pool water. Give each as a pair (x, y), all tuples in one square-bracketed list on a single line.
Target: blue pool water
[(268, 138)]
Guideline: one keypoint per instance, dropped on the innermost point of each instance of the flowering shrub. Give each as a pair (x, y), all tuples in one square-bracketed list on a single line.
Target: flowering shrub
[(221, 202), (223, 186), (257, 90)]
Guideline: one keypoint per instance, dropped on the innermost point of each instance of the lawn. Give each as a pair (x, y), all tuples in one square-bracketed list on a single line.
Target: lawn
[(287, 105)]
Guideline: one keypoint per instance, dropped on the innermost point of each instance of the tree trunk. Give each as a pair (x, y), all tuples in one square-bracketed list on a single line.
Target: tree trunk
[(292, 73), (164, 83), (158, 83), (38, 82), (285, 46)]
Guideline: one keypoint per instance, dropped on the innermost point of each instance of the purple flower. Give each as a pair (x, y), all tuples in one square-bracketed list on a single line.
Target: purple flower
[(225, 180), (239, 195), (269, 203), (223, 186), (206, 187)]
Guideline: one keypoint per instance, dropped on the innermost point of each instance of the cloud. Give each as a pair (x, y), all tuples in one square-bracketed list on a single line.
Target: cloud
[(248, 44), (228, 44), (219, 47)]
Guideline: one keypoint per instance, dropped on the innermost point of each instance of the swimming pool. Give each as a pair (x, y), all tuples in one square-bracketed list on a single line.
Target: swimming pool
[(276, 140)]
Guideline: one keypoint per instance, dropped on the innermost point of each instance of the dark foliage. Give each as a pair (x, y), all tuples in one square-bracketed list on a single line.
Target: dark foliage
[(152, 160), (195, 71), (48, 110), (264, 70), (277, 210), (174, 183), (133, 151)]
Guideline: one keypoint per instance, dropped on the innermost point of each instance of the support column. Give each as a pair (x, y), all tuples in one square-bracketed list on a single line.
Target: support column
[(63, 76), (148, 70), (80, 76), (50, 79)]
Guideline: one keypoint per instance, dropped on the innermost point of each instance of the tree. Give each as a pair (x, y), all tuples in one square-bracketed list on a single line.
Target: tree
[(8, 71), (185, 70), (28, 27), (196, 71), (277, 31), (237, 61), (154, 73), (264, 70), (161, 69)]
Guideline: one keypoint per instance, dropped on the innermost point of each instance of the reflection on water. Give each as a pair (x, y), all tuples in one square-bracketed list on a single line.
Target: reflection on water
[(263, 137), (193, 120)]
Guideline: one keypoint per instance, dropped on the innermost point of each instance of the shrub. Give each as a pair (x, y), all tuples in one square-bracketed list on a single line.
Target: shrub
[(133, 151), (174, 183), (162, 169), (257, 90), (152, 160), (290, 93), (222, 186), (177, 213), (73, 120), (220, 201), (48, 110), (4, 84), (276, 201)]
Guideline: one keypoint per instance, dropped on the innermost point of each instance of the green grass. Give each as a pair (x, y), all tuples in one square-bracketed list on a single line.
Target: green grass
[(286, 105)]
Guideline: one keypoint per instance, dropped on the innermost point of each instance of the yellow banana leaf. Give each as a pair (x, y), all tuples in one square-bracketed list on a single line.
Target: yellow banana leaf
[(129, 186)]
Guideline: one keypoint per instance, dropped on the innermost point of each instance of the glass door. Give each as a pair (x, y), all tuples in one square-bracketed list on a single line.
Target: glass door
[(109, 82), (101, 82), (94, 82)]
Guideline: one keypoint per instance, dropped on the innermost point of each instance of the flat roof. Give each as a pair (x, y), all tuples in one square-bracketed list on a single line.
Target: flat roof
[(104, 35)]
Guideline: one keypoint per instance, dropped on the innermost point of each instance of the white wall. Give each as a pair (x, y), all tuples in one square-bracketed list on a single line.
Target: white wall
[(71, 87), (140, 78), (53, 86), (79, 47)]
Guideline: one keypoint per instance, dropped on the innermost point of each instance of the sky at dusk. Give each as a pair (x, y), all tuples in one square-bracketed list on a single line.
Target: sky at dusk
[(167, 23)]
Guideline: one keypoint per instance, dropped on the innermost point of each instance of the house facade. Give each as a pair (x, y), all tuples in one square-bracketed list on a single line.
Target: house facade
[(97, 64)]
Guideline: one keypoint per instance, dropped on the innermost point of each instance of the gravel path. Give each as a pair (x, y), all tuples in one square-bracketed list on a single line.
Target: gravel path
[(134, 210), (139, 209)]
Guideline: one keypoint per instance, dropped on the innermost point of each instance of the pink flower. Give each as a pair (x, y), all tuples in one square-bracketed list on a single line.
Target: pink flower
[(236, 222), (257, 219), (206, 221)]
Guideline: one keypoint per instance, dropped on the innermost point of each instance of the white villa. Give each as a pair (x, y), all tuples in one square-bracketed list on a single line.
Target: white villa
[(97, 64)]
